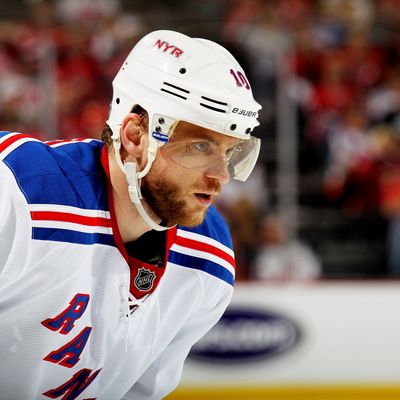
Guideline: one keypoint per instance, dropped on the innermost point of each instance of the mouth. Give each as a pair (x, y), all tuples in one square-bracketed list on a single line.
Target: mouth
[(204, 198)]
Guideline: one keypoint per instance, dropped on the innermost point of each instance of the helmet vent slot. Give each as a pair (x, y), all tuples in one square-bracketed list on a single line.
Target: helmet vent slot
[(213, 108), (174, 94), (214, 101), (170, 90), (176, 87), (215, 104)]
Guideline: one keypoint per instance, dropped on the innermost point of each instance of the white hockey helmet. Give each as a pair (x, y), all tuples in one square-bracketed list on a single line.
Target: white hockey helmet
[(178, 78)]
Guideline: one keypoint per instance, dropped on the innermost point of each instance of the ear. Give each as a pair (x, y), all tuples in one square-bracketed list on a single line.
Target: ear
[(134, 139)]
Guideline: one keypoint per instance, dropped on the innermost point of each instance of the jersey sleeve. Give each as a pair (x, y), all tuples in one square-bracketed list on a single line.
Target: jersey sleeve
[(15, 228), (164, 374)]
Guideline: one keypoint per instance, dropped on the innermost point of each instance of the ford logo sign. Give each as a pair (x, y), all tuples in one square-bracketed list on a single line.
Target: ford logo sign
[(243, 335)]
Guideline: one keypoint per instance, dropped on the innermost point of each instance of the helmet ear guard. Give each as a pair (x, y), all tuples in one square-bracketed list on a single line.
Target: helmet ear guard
[(177, 78)]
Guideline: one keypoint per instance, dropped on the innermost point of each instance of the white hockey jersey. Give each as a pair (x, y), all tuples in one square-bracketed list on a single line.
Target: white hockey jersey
[(79, 318)]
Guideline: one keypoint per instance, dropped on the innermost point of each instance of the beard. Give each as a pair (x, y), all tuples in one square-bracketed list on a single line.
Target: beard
[(167, 200)]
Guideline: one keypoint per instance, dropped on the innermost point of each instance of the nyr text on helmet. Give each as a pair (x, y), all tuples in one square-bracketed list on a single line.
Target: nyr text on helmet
[(166, 47)]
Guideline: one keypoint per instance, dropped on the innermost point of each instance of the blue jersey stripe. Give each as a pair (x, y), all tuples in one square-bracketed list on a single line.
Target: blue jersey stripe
[(65, 235), (201, 264)]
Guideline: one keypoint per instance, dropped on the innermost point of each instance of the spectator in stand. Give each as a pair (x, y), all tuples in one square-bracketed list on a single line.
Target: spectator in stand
[(350, 177), (383, 101), (388, 154), (282, 259), (53, 62)]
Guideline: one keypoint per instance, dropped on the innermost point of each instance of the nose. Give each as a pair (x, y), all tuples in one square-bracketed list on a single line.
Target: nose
[(218, 170)]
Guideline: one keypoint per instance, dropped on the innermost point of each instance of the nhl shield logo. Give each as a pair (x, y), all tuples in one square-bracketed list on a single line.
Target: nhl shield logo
[(144, 279)]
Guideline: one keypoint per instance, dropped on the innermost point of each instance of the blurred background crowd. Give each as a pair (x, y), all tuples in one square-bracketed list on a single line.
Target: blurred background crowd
[(324, 200)]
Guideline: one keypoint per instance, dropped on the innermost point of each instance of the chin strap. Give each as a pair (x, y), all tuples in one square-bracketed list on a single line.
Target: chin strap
[(133, 178), (135, 195)]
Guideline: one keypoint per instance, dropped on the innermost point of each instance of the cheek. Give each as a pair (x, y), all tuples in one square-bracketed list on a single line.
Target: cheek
[(168, 171)]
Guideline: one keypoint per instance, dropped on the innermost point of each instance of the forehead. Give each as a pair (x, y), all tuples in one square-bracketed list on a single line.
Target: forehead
[(185, 131)]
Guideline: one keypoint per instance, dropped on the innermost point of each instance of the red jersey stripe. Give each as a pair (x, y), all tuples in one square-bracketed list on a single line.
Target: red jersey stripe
[(57, 141), (12, 139), (67, 217), (196, 245)]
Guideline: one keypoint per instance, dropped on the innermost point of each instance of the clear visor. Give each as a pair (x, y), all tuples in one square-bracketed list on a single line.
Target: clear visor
[(197, 148)]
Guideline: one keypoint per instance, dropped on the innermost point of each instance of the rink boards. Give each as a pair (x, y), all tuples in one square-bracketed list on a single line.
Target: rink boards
[(324, 340)]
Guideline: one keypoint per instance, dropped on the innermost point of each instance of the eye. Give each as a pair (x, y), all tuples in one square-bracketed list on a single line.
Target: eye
[(202, 147)]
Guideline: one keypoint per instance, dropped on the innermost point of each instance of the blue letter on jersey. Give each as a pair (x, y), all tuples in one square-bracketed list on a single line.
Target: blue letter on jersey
[(75, 386), (69, 354), (66, 319)]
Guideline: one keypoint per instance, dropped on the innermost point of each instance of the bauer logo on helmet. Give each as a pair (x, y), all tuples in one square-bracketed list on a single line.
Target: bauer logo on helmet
[(243, 112)]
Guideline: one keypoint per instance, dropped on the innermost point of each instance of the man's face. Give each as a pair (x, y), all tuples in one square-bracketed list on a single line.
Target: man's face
[(187, 174)]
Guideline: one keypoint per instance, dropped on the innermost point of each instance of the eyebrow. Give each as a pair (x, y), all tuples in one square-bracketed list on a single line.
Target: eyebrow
[(205, 136), (197, 136), (213, 141)]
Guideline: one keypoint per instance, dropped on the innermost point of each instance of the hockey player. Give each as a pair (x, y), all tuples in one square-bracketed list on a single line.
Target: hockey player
[(113, 261)]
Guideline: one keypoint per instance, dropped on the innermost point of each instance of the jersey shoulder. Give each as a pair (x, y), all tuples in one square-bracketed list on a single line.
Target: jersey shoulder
[(53, 172), (64, 185), (207, 247), (215, 227)]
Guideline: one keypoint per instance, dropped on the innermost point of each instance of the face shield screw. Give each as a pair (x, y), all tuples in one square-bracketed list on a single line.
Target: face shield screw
[(161, 120), (158, 129), (117, 100), (182, 70), (233, 127), (248, 130)]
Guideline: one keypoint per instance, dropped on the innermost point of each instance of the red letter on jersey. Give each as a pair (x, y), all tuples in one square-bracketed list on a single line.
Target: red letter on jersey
[(68, 355), (66, 319), (75, 386)]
